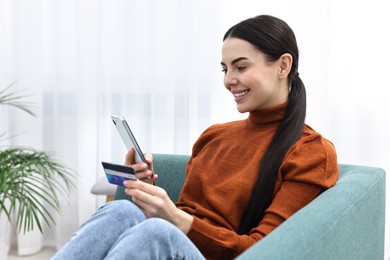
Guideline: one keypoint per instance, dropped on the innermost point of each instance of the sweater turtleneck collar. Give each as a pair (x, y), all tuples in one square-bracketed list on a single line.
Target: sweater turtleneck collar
[(268, 115)]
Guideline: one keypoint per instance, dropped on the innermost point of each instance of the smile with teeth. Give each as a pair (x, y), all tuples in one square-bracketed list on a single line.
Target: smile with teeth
[(241, 93)]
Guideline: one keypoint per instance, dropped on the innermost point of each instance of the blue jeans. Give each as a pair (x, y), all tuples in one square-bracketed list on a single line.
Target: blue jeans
[(120, 230)]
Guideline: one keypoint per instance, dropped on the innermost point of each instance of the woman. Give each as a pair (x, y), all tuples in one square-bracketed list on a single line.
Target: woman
[(244, 178)]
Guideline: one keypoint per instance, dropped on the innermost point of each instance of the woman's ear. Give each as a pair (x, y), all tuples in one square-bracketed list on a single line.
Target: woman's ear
[(285, 63)]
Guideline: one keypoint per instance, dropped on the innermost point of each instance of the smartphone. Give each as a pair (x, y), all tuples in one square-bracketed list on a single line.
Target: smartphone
[(117, 174), (128, 137)]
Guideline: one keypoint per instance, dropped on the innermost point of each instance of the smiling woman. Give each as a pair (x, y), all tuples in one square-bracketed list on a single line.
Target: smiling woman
[(269, 74), (251, 71), (243, 179)]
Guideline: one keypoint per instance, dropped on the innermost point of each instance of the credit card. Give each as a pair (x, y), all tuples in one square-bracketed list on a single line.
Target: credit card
[(117, 174)]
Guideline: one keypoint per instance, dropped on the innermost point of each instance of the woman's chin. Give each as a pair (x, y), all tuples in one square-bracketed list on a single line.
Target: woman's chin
[(242, 109)]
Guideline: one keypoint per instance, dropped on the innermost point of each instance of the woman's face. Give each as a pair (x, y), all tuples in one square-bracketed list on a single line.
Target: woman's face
[(254, 82)]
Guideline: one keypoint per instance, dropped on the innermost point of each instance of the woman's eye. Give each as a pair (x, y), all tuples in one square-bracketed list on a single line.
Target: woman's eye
[(241, 68), (224, 70)]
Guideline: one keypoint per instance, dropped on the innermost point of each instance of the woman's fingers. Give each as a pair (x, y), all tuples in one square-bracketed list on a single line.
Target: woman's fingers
[(148, 179), (141, 169), (144, 187), (151, 199), (142, 196), (149, 161), (130, 155)]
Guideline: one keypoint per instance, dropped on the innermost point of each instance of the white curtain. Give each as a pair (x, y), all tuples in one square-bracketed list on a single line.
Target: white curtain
[(157, 64)]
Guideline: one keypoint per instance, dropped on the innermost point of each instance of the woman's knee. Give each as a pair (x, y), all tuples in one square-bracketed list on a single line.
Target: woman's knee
[(163, 234), (119, 209), (162, 228)]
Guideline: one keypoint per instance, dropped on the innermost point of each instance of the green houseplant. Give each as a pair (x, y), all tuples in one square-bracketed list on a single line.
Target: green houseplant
[(31, 181)]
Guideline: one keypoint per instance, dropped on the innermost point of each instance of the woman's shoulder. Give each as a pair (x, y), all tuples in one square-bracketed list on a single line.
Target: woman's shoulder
[(310, 135), (312, 157), (313, 143)]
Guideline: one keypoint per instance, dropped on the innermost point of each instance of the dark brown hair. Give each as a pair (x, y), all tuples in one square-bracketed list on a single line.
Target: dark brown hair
[(273, 37)]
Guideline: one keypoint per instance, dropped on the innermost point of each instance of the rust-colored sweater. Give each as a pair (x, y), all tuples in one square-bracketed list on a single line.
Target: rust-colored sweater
[(223, 168)]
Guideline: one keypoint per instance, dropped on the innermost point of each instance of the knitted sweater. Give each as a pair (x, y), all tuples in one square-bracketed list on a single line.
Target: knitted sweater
[(223, 168)]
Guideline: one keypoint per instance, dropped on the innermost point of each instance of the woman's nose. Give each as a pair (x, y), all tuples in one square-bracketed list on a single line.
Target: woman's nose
[(230, 80)]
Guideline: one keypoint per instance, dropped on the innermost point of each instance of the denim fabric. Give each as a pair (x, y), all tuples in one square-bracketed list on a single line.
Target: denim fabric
[(120, 230)]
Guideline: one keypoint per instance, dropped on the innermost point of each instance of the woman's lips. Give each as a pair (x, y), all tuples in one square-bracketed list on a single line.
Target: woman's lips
[(240, 94)]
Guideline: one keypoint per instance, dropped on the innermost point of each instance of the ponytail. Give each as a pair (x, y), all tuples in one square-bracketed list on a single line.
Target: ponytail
[(288, 132)]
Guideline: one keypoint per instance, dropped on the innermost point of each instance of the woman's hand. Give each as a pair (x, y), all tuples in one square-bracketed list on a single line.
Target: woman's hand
[(155, 202), (141, 169)]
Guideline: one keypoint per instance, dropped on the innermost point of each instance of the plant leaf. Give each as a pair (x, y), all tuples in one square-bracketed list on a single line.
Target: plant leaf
[(13, 99), (32, 180)]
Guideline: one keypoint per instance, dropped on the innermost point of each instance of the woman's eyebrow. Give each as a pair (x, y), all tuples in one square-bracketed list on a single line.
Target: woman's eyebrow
[(235, 60)]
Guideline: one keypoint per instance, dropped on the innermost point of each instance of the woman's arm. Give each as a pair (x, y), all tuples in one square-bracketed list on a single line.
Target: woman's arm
[(155, 202)]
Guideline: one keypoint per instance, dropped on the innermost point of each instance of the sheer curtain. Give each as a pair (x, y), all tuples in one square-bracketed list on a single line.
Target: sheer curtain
[(157, 64)]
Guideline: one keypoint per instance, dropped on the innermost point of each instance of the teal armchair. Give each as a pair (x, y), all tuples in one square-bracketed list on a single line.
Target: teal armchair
[(345, 222)]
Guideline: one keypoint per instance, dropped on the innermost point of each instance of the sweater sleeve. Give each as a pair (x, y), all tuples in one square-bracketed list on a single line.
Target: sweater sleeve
[(309, 167)]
